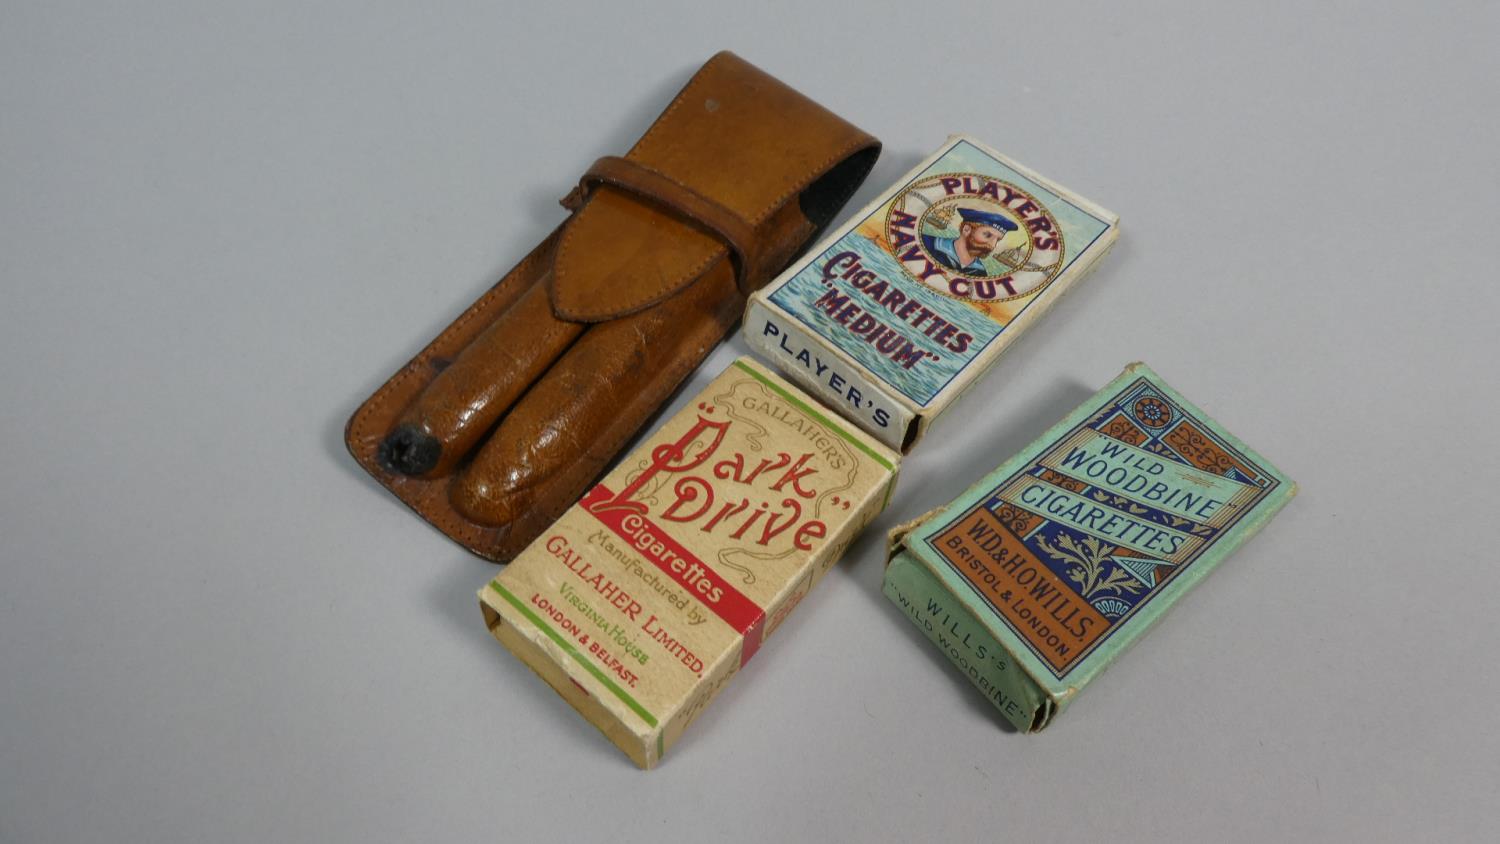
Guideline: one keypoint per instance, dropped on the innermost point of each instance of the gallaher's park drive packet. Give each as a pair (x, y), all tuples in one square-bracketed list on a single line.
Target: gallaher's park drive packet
[(904, 307), (1044, 571), (646, 597)]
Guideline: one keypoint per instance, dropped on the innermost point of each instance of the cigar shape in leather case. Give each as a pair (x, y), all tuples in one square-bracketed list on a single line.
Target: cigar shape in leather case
[(466, 399), (503, 420)]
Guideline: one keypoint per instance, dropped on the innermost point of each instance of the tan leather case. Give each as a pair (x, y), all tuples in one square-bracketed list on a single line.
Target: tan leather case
[(732, 181)]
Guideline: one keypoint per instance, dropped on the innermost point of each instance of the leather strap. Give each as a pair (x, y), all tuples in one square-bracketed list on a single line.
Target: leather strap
[(721, 175), (655, 186)]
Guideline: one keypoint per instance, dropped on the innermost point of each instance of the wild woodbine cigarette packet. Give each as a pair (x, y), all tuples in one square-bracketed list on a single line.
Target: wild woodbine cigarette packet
[(899, 311), (647, 596), (1037, 577)]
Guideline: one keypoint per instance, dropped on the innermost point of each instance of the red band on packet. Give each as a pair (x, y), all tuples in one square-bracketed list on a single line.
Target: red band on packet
[(692, 574)]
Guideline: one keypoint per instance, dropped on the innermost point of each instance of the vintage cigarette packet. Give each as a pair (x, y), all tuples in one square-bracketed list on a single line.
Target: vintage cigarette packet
[(1037, 577), (647, 596), (899, 311)]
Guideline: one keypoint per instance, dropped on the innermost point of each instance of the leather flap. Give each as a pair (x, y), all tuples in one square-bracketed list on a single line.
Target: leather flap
[(734, 135), (620, 254)]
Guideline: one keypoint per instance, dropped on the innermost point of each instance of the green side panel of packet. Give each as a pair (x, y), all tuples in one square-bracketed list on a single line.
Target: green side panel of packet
[(1038, 576)]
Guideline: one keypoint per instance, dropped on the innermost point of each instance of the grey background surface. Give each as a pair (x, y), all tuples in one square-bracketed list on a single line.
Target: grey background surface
[(222, 227)]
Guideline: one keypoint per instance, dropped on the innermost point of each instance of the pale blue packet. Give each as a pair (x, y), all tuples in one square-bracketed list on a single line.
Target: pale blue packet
[(901, 309), (1038, 576)]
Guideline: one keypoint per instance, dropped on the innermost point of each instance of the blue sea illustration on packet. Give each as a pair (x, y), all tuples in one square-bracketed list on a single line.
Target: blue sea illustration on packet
[(899, 265)]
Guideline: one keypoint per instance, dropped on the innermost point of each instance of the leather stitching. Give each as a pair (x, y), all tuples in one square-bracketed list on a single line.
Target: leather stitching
[(761, 216), (567, 227), (737, 244), (692, 85), (816, 172), (665, 120), (634, 304), (383, 394)]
